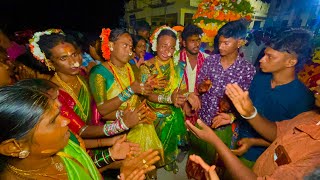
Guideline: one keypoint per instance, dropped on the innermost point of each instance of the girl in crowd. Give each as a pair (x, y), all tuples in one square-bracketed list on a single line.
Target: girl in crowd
[(167, 100), (115, 89), (139, 51), (35, 138), (61, 55)]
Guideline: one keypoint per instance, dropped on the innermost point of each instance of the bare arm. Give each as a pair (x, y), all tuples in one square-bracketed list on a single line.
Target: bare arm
[(108, 106), (236, 168), (244, 106)]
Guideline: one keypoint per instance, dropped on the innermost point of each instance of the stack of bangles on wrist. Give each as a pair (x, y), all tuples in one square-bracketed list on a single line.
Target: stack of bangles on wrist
[(252, 116), (162, 98), (103, 158), (126, 94), (116, 126)]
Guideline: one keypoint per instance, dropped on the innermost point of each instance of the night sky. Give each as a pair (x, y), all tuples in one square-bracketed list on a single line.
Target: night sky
[(68, 14)]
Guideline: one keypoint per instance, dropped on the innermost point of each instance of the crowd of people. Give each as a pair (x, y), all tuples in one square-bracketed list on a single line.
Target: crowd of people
[(126, 104)]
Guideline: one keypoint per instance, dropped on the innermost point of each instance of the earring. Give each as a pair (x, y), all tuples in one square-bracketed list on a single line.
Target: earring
[(130, 54), (111, 48), (23, 154)]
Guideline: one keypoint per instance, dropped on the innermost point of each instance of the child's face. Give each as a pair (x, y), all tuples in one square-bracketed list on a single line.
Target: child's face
[(224, 105)]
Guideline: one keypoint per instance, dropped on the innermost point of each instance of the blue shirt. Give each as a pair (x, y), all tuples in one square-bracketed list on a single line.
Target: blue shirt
[(276, 104), (147, 56)]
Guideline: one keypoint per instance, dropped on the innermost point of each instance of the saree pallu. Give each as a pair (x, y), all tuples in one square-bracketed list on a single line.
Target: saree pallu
[(169, 124), (78, 164), (105, 86)]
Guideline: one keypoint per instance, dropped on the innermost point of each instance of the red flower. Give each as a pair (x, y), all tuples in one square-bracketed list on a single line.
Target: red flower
[(105, 43)]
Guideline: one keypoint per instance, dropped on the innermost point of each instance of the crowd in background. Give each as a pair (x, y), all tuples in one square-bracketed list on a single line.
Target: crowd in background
[(124, 105)]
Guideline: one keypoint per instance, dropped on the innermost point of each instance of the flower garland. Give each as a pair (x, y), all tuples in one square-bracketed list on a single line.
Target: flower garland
[(105, 43), (154, 37), (35, 49), (213, 14)]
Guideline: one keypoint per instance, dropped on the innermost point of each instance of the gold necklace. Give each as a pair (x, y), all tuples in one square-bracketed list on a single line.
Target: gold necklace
[(29, 174), (70, 91), (122, 71), (75, 86)]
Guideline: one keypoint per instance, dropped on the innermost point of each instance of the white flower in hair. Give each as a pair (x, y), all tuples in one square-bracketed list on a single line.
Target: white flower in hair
[(154, 37), (34, 47)]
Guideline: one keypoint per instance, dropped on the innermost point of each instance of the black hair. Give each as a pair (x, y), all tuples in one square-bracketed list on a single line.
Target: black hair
[(21, 107), (167, 32), (190, 30), (234, 29), (116, 33), (142, 26), (49, 41), (30, 61), (136, 39), (294, 41)]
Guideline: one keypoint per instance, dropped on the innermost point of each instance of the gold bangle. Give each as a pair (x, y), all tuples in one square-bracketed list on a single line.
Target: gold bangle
[(232, 118)]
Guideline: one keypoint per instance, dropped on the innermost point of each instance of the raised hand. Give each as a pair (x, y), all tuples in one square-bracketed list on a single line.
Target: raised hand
[(244, 145), (194, 100), (121, 149), (177, 98), (137, 167), (132, 118), (240, 99), (204, 86), (140, 88), (210, 172), (221, 119), (140, 61), (156, 82), (204, 132)]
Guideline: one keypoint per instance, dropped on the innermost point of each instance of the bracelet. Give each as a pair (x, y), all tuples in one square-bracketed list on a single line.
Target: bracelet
[(252, 116), (168, 99), (125, 94), (165, 98), (232, 118), (130, 90), (82, 130), (113, 128), (103, 158), (110, 155)]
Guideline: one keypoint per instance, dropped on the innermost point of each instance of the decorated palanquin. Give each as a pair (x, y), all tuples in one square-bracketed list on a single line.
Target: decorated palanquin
[(212, 14)]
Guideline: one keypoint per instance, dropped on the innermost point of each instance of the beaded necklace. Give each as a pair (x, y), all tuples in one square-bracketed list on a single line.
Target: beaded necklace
[(161, 73), (70, 91)]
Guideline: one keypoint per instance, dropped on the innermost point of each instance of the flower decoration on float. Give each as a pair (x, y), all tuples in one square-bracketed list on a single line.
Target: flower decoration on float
[(155, 34), (213, 14), (35, 49), (105, 43)]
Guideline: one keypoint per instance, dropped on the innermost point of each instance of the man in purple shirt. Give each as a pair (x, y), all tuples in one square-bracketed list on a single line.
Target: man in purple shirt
[(221, 69)]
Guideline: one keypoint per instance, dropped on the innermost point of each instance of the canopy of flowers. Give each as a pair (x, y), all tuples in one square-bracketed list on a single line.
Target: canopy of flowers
[(212, 14)]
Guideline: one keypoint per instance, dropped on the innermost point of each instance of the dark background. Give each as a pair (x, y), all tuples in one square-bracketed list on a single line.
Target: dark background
[(90, 16)]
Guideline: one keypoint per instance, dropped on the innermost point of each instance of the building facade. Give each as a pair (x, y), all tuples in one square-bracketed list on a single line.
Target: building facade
[(173, 12)]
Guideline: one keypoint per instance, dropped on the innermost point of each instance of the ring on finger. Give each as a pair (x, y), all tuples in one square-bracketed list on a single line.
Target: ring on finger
[(145, 166)]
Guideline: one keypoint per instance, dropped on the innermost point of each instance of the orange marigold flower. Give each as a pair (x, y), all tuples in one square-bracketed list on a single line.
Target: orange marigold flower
[(105, 43)]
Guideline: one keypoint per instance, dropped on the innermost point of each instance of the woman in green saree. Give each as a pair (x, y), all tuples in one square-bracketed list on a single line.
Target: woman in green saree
[(167, 101), (61, 54), (35, 140)]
